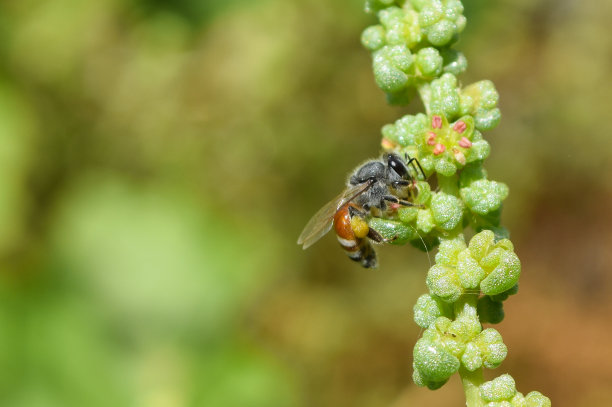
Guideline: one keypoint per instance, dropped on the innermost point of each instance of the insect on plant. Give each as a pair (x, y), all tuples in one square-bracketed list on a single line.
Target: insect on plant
[(375, 187)]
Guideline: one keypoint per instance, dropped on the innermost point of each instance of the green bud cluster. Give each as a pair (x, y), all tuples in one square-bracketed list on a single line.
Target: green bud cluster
[(484, 266), (453, 326), (501, 392), (412, 54), (411, 44)]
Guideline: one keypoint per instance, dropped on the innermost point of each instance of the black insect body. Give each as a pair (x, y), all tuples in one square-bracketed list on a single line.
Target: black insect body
[(372, 186), (389, 179)]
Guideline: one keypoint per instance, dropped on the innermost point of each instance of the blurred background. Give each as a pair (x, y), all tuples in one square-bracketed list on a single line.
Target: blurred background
[(158, 160)]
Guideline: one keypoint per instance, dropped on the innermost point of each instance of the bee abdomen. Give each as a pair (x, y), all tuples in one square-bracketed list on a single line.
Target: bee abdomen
[(357, 249)]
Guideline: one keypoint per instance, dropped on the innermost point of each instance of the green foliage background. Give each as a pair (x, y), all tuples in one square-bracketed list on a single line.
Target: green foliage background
[(158, 160)]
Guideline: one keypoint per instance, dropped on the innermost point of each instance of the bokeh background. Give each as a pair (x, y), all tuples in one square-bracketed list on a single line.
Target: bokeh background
[(159, 158)]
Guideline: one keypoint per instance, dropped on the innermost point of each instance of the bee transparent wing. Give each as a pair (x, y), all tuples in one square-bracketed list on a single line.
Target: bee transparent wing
[(321, 222)]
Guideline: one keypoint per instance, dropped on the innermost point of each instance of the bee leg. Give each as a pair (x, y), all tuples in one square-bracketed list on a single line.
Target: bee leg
[(356, 212), (414, 160), (377, 237), (396, 200), (402, 183)]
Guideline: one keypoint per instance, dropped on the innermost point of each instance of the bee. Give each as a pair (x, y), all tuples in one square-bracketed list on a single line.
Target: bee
[(374, 187)]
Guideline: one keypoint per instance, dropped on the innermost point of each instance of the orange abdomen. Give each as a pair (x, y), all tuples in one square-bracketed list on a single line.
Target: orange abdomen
[(342, 224), (358, 249)]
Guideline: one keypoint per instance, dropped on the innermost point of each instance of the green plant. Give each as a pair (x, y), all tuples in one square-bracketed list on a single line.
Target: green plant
[(413, 55)]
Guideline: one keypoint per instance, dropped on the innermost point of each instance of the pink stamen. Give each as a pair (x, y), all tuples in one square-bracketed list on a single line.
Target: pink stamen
[(439, 149), (465, 143), (436, 122), (460, 126), (431, 140)]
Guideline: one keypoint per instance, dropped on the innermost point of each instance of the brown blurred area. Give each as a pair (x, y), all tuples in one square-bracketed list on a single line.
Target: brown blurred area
[(159, 159)]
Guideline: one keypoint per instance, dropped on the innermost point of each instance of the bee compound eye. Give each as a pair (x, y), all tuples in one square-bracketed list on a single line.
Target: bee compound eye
[(397, 164)]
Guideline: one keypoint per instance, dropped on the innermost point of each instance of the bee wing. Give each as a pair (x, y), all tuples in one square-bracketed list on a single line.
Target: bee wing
[(321, 222)]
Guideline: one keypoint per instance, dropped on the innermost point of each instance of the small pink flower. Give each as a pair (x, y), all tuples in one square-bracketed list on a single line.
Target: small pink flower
[(436, 122), (460, 126), (465, 143), (431, 139), (439, 149)]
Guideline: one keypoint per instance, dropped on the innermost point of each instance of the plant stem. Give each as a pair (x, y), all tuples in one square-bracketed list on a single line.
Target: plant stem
[(471, 382), (449, 185), (465, 307), (425, 93)]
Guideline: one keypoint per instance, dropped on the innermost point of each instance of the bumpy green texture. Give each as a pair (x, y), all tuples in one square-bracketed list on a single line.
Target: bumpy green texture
[(501, 392), (411, 44), (412, 53)]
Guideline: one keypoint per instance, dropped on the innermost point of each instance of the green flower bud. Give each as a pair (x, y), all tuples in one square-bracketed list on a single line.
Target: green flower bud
[(419, 380), (492, 347), (391, 67), (373, 37), (434, 363), (445, 166), (427, 309), (424, 193), (443, 282), (487, 119), (445, 96), (401, 26), (447, 210), (537, 399), (484, 196), (404, 130), (453, 9), (425, 220), (472, 357), (517, 401), (431, 14), (480, 100), (429, 62), (501, 388), (466, 326), (479, 151), (449, 250), (440, 21), (481, 243), (504, 276), (407, 214), (441, 32), (470, 273), (396, 232)]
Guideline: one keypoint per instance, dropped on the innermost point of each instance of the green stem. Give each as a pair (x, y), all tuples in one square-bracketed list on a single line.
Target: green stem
[(466, 307), (471, 382), (425, 93), (449, 185)]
